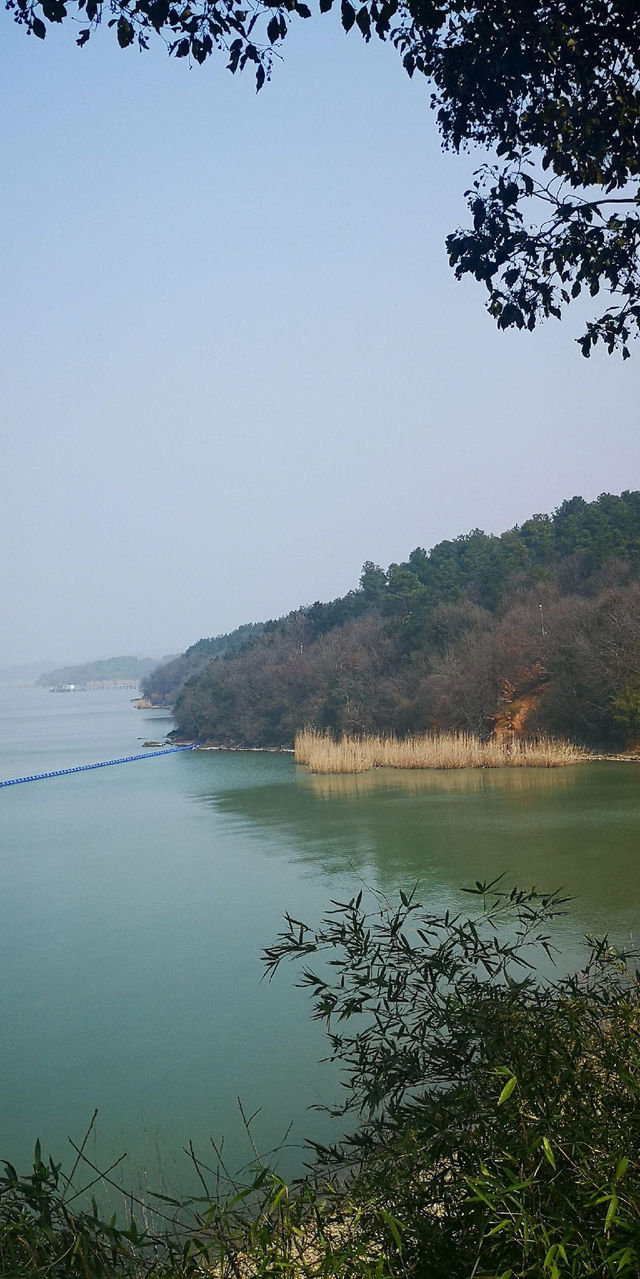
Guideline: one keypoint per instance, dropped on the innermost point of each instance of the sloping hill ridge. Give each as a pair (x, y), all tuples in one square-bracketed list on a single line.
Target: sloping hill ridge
[(107, 670), (164, 683), (535, 629)]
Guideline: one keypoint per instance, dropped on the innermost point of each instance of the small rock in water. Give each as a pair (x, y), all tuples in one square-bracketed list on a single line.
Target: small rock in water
[(151, 744)]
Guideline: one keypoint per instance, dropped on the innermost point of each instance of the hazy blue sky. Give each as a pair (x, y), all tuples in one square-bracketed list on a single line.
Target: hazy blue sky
[(235, 364)]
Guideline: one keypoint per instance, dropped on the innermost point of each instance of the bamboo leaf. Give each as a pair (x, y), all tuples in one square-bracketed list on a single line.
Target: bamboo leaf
[(611, 1213), (507, 1090)]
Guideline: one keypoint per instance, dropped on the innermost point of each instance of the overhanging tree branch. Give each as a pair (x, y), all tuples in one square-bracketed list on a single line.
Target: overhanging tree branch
[(553, 80)]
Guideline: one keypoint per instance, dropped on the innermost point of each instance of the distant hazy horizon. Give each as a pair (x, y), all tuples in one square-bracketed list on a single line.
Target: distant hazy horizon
[(29, 672), (235, 362)]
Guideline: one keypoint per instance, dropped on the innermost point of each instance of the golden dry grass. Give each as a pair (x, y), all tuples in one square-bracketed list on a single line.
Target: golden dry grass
[(322, 754)]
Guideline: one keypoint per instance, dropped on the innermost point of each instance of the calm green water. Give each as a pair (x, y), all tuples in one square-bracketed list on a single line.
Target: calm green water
[(135, 900)]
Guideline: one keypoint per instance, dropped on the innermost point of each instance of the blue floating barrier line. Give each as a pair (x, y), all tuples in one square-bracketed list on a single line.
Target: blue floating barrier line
[(105, 763)]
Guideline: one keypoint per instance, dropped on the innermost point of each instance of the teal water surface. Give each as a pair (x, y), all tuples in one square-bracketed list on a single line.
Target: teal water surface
[(135, 901)]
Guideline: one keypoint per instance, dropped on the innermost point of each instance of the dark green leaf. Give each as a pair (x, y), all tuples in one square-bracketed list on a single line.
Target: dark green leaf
[(348, 14)]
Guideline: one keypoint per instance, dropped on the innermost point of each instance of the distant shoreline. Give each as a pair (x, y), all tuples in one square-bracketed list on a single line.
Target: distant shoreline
[(255, 750), (290, 750)]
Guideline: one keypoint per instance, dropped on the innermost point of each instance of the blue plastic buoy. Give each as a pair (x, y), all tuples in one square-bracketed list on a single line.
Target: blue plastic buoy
[(105, 763)]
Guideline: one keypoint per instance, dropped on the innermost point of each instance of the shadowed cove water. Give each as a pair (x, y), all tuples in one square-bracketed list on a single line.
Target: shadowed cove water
[(135, 902)]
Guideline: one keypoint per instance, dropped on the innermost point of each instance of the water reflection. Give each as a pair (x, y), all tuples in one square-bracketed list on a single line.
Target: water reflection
[(575, 828), (450, 781)]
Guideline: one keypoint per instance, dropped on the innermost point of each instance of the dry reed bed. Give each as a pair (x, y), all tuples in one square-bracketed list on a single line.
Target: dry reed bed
[(350, 754)]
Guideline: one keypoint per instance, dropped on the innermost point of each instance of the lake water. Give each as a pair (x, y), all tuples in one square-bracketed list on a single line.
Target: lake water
[(135, 901)]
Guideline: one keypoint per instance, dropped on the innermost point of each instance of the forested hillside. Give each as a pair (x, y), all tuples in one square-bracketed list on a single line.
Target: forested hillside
[(536, 629), (164, 683)]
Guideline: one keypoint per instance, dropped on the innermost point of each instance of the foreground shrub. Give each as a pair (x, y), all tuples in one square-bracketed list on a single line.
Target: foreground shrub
[(499, 1107)]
